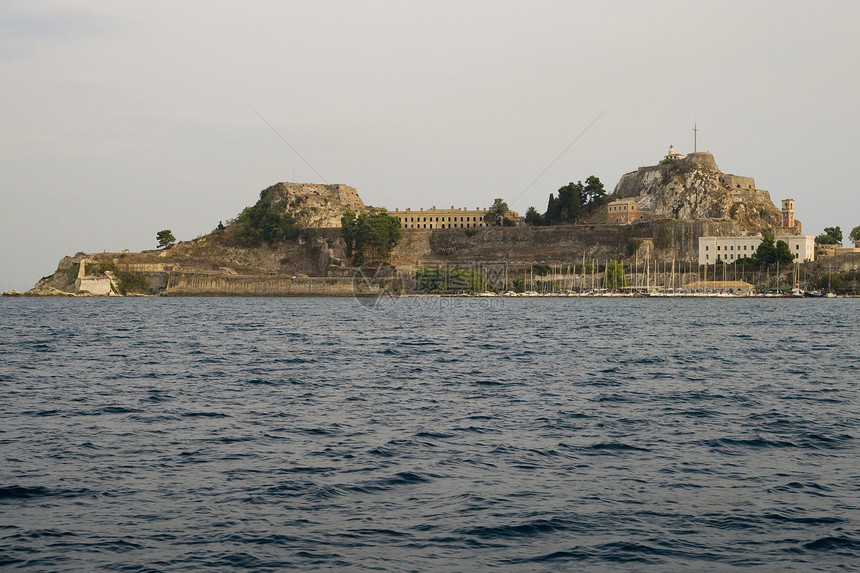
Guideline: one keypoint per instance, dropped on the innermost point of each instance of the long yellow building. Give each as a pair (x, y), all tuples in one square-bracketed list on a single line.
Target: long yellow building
[(452, 218)]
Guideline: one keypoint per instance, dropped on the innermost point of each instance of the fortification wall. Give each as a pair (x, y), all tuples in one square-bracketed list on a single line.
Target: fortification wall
[(187, 284), (737, 182), (701, 160), (147, 267), (555, 245), (100, 286)]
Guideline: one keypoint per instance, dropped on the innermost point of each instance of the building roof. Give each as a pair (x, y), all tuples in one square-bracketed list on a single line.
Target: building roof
[(622, 201)]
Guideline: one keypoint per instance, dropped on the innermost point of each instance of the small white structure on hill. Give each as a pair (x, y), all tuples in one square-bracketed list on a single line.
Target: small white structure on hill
[(673, 155), (95, 285)]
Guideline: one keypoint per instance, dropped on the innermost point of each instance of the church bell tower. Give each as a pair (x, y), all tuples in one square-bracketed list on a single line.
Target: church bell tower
[(788, 212)]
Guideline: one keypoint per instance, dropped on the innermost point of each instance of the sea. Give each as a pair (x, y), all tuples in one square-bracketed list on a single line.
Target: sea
[(429, 434)]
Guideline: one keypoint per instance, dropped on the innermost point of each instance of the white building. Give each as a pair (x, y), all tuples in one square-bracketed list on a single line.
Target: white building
[(673, 155), (730, 249)]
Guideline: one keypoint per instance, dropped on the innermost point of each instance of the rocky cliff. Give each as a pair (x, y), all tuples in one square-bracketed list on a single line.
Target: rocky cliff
[(314, 205), (694, 188)]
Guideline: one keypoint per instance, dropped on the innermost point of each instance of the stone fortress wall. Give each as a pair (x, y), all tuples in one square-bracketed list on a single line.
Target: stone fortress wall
[(737, 182), (194, 284)]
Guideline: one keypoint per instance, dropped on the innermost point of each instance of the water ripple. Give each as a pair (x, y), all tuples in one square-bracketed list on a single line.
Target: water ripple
[(312, 434)]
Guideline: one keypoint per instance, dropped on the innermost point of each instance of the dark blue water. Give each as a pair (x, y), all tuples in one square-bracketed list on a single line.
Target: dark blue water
[(437, 434)]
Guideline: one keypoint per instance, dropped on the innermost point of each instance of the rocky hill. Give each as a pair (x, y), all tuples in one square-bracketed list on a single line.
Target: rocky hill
[(694, 188), (313, 205), (292, 233)]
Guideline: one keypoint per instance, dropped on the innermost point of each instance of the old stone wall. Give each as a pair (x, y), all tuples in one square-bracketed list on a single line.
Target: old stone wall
[(737, 182), (100, 286), (147, 267), (561, 244), (186, 284)]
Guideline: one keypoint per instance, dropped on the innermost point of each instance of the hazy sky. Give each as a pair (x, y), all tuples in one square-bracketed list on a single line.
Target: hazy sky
[(119, 119)]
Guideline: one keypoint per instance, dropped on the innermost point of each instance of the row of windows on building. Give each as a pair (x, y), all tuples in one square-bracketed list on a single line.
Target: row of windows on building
[(623, 218), (449, 219), (732, 248), (441, 226), (731, 257), (423, 222)]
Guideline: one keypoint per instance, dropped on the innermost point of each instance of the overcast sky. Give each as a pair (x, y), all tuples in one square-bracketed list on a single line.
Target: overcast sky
[(119, 119)]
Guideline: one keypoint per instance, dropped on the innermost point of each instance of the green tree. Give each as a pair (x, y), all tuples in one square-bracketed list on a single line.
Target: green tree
[(496, 214), (782, 253), (566, 207), (553, 210), (613, 276), (834, 232), (570, 200), (771, 251), (766, 251), (369, 236), (830, 236), (165, 238), (131, 282), (855, 234), (533, 217), (573, 201), (261, 223), (593, 192), (348, 229)]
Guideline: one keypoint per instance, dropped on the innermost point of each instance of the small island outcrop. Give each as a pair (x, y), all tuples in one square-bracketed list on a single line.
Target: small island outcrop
[(291, 242)]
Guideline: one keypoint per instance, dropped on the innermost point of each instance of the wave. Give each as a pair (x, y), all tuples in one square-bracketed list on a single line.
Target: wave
[(803, 520), (528, 529), (213, 450), (617, 446), (721, 443), (15, 492), (406, 478), (841, 545)]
